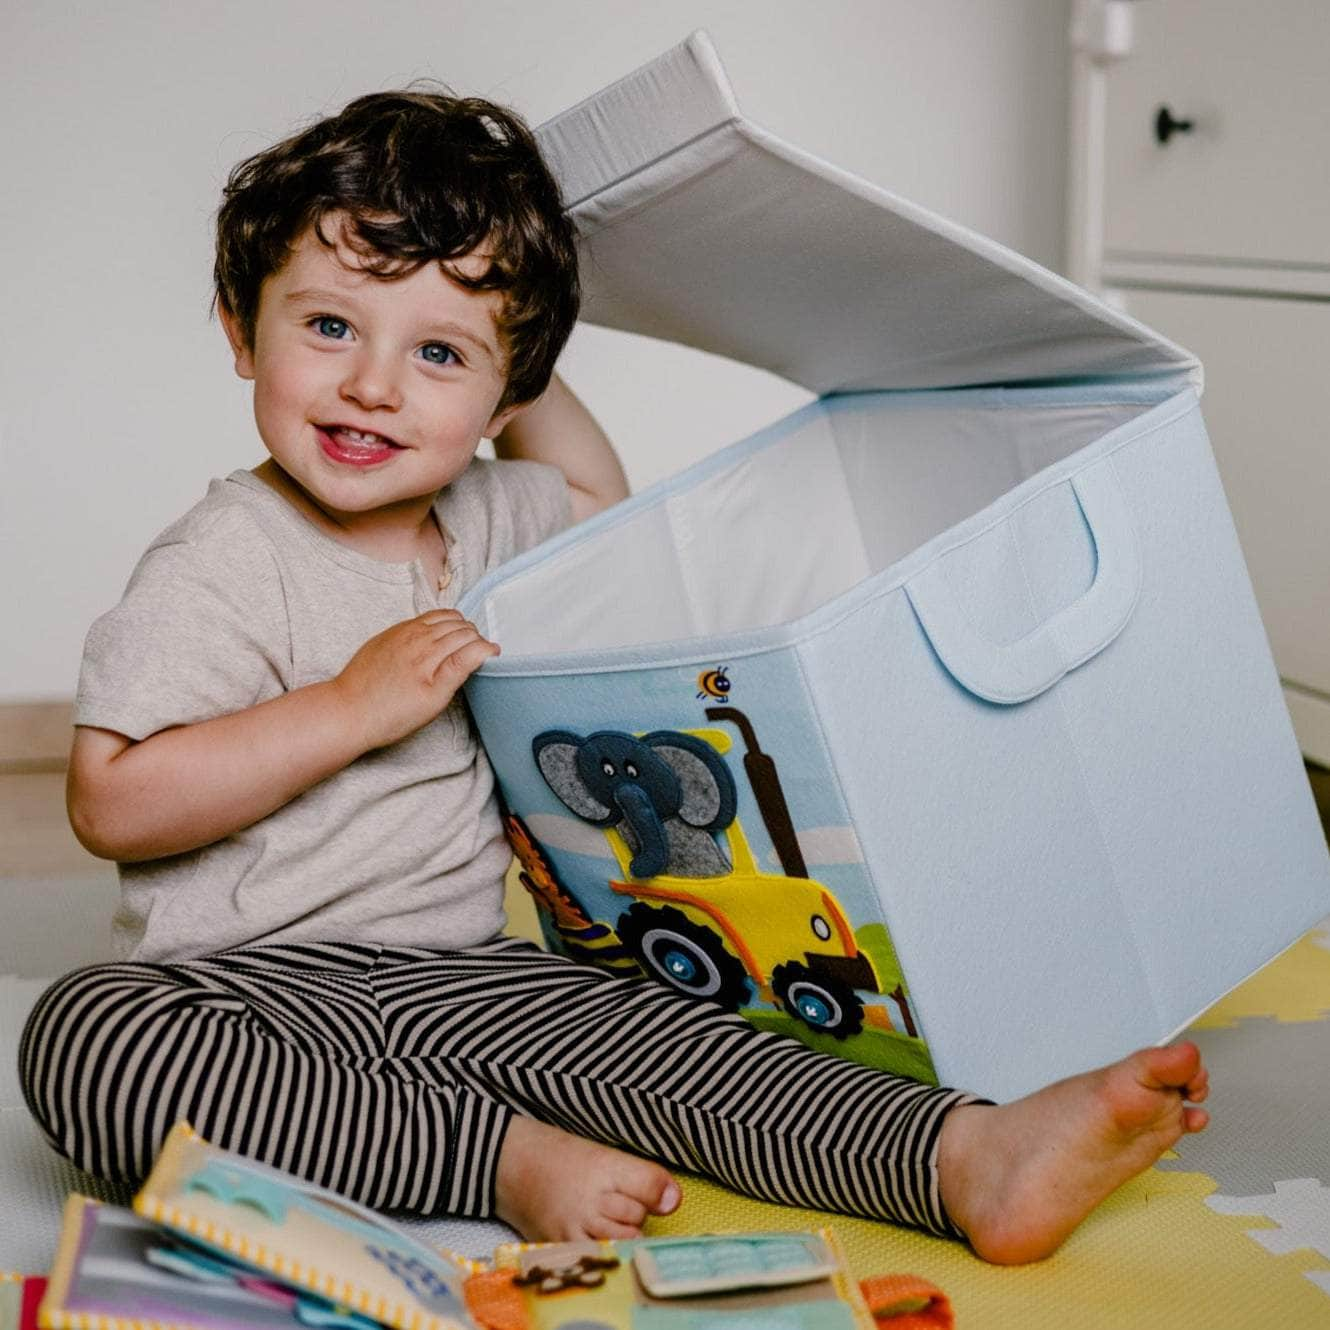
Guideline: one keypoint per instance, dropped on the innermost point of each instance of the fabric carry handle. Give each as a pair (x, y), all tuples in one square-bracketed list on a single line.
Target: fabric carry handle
[(1020, 670)]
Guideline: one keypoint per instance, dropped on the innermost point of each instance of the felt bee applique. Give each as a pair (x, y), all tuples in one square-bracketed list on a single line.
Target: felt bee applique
[(714, 684)]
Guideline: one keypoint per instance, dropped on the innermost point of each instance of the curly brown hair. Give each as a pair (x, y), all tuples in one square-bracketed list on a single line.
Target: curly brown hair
[(419, 176)]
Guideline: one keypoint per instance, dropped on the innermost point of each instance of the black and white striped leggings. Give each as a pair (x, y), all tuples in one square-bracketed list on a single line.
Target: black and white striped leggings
[(390, 1074)]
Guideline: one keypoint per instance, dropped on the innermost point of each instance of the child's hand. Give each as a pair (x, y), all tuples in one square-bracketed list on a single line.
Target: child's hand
[(402, 678)]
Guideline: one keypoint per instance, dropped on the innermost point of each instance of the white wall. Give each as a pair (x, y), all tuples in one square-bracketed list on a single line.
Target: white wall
[(116, 398)]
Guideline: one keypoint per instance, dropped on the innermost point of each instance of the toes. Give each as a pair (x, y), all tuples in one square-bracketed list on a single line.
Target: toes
[(650, 1185), (1195, 1119), (668, 1198), (1198, 1087), (623, 1209), (602, 1226), (1170, 1068)]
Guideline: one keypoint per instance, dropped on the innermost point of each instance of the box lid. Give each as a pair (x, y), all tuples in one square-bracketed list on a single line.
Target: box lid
[(699, 227)]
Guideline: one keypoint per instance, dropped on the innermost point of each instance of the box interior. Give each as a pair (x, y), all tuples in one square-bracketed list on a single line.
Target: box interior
[(767, 533)]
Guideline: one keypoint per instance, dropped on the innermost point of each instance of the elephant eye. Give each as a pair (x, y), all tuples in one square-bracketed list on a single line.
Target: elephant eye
[(630, 769), (607, 768)]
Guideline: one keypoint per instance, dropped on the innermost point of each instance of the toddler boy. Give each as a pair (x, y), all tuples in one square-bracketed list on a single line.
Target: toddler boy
[(271, 744)]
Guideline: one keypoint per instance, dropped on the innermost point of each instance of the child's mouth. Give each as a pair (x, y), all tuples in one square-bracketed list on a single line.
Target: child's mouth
[(355, 447)]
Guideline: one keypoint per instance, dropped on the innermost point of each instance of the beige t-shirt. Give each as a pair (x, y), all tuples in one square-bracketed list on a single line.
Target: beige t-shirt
[(243, 599)]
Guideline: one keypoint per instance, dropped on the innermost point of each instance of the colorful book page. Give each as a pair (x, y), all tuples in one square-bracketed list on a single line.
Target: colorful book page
[(108, 1274), (571, 1286), (304, 1236)]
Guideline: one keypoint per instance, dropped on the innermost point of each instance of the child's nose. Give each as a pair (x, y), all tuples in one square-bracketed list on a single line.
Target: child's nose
[(370, 382)]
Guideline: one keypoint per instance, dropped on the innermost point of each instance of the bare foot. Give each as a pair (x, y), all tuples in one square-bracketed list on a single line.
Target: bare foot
[(1019, 1177), (555, 1187)]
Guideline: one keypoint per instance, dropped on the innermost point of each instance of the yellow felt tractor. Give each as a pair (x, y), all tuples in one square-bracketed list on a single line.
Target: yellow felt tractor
[(712, 924)]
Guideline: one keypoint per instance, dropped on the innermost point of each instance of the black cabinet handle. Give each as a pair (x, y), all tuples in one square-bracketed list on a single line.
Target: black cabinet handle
[(1166, 126)]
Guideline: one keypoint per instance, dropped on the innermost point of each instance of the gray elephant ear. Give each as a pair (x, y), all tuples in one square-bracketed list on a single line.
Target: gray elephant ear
[(710, 800), (555, 752)]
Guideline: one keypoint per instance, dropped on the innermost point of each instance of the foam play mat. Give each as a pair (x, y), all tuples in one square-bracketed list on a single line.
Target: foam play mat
[(1232, 1230)]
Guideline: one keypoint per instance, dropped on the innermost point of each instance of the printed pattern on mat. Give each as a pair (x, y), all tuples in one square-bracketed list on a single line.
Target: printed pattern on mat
[(1268, 1049)]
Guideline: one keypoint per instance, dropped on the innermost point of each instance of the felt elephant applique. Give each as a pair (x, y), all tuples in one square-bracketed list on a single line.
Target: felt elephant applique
[(690, 905), (666, 794)]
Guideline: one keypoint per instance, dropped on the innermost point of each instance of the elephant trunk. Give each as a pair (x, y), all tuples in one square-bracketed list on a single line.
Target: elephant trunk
[(651, 850)]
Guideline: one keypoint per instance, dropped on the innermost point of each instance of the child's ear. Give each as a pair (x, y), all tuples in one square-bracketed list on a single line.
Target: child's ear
[(240, 347), (501, 418)]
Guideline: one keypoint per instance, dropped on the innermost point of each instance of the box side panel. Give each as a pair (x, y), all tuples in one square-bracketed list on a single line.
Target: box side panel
[(975, 823), (783, 524), (769, 914), (1187, 748)]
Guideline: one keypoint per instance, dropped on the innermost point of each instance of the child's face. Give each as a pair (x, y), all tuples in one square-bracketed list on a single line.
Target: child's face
[(371, 393)]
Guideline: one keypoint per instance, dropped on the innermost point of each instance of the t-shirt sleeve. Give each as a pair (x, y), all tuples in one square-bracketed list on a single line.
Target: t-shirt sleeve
[(502, 508), (200, 632)]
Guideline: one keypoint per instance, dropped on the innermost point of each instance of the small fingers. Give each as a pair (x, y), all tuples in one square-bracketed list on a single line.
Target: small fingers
[(439, 616), (461, 661), (452, 637)]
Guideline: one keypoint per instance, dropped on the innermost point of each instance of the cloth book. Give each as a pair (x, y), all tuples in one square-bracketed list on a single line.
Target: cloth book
[(216, 1241)]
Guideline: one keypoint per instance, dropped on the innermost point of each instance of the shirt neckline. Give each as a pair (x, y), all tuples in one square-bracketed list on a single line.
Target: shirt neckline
[(381, 570)]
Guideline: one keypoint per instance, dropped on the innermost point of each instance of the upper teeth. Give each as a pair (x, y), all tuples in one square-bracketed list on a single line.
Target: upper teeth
[(360, 436)]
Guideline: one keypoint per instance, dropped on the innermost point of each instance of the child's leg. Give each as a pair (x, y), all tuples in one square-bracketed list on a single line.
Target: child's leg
[(388, 1074), (636, 1065), (276, 1052)]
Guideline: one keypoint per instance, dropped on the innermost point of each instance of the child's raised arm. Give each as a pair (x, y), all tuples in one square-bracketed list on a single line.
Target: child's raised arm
[(191, 785), (556, 428)]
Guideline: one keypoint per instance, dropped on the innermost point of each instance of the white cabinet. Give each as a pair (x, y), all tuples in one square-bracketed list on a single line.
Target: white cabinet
[(1249, 183), (1220, 238)]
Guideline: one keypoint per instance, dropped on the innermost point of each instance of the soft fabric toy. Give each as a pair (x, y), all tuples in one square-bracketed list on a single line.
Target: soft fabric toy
[(666, 793)]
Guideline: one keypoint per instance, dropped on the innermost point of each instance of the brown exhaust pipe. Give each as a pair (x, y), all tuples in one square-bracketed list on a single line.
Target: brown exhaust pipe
[(761, 771)]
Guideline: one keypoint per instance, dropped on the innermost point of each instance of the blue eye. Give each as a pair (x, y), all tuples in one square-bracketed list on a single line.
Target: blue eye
[(327, 325), (438, 353)]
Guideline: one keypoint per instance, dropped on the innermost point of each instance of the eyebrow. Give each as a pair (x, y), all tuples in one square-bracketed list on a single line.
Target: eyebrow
[(317, 293), (445, 330)]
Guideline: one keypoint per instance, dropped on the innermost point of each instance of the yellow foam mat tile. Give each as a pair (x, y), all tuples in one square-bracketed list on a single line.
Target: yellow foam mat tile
[(1153, 1254), (1295, 986)]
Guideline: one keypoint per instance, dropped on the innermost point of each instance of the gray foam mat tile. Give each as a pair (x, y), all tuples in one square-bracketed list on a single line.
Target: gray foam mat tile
[(16, 999), (34, 1182)]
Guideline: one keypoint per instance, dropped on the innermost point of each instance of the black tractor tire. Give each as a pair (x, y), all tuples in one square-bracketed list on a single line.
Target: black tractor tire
[(824, 1005), (689, 957)]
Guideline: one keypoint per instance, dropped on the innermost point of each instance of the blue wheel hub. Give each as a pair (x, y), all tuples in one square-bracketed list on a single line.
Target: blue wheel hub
[(681, 966)]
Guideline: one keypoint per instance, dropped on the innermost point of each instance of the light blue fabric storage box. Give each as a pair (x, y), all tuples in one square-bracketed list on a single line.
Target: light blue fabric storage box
[(985, 774)]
